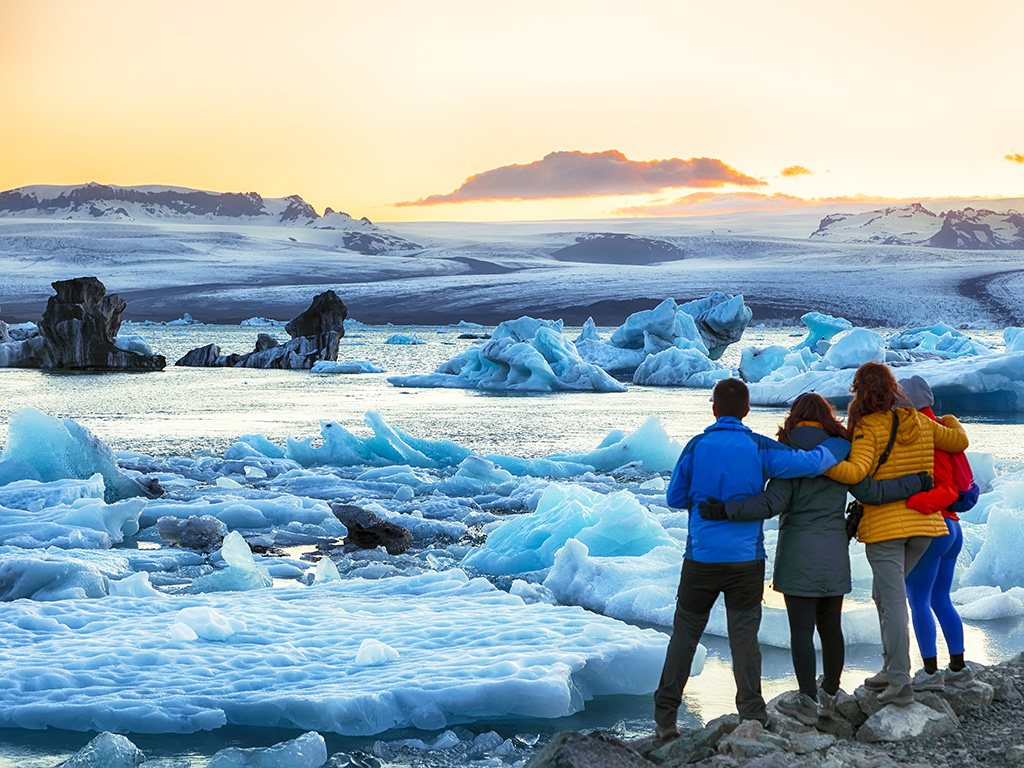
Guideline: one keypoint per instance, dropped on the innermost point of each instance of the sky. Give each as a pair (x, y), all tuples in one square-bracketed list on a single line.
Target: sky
[(473, 110)]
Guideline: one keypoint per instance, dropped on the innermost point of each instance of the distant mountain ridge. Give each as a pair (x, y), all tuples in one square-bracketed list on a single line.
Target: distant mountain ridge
[(147, 204), (914, 224)]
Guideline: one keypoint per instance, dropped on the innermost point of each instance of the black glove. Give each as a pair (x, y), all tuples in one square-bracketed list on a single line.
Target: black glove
[(926, 481), (712, 509)]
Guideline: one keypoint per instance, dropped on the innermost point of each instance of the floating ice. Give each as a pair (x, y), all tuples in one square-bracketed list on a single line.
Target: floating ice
[(62, 448), (650, 445), (399, 338), (108, 750), (260, 322), (854, 349), (610, 525), (820, 327), (677, 367), (588, 332), (998, 562), (33, 495), (50, 578), (524, 355), (720, 318), (467, 652), (756, 363), (134, 343), (1014, 339), (326, 571), (347, 366), (307, 751), (373, 653), (82, 524), (939, 339), (240, 575)]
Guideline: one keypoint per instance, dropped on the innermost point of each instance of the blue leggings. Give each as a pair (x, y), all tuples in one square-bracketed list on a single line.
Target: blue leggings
[(928, 590)]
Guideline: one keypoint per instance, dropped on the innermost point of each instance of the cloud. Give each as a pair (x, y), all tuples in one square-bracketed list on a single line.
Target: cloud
[(590, 174), (1016, 157), (796, 170)]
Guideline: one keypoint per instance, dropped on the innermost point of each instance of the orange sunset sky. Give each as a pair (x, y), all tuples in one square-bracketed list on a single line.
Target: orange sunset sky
[(478, 110)]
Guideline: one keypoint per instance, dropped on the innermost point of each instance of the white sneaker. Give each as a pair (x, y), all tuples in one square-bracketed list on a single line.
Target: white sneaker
[(929, 681)]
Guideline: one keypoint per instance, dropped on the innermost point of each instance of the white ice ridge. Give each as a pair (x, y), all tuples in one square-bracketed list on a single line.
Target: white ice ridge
[(465, 651)]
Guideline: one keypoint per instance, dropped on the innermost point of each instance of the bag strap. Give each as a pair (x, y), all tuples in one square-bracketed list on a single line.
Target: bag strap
[(892, 441)]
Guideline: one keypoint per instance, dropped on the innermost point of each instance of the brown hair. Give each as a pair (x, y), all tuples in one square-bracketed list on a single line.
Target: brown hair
[(731, 398), (875, 390), (811, 407)]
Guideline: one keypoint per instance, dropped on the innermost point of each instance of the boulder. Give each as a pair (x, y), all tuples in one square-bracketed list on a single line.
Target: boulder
[(750, 740), (367, 530), (108, 750), (579, 750), (327, 313), (892, 723), (79, 328)]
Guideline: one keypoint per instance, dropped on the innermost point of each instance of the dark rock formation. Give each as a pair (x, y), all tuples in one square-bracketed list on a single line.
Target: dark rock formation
[(368, 531), (78, 331), (613, 248), (204, 534), (315, 336), (327, 313), (578, 750)]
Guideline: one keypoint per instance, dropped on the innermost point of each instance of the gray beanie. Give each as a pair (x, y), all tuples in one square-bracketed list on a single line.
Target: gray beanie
[(918, 392)]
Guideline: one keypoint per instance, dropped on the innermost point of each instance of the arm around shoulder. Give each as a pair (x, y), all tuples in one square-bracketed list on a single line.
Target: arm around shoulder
[(774, 500), (949, 434)]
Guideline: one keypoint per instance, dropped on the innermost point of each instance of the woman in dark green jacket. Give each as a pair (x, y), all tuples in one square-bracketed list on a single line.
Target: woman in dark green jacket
[(812, 558)]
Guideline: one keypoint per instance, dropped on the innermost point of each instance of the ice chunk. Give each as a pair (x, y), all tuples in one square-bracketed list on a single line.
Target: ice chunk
[(524, 355), (373, 653), (820, 327), (205, 533), (757, 363), (307, 751), (134, 343), (236, 552), (854, 349), (616, 524), (326, 571), (35, 495), (345, 366), (136, 585), (50, 578), (720, 318), (83, 524), (62, 448), (650, 445), (15, 469), (675, 367), (999, 606), (209, 623), (241, 574), (589, 332), (1014, 339), (399, 338), (108, 750), (293, 663)]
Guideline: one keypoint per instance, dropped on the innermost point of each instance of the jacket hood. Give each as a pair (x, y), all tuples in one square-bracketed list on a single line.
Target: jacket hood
[(807, 435), (910, 428)]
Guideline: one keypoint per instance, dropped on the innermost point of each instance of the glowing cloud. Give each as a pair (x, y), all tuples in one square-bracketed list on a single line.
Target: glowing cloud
[(1016, 157), (796, 170), (590, 174)]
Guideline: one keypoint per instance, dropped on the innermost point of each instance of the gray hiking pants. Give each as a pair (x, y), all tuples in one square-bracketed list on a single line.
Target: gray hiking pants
[(891, 561)]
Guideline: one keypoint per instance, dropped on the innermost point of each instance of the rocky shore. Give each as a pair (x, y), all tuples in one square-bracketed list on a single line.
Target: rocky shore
[(982, 725)]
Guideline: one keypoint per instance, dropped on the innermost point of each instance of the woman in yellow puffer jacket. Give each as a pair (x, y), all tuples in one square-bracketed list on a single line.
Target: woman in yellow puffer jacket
[(894, 536)]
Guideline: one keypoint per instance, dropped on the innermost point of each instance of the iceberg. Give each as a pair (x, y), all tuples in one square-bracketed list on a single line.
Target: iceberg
[(241, 574), (854, 349), (64, 449), (524, 355), (400, 338), (675, 367), (721, 319), (286, 658), (757, 363), (84, 523), (347, 366), (820, 327), (650, 446), (616, 524)]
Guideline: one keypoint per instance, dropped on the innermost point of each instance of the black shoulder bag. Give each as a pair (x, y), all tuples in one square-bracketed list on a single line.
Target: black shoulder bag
[(855, 510)]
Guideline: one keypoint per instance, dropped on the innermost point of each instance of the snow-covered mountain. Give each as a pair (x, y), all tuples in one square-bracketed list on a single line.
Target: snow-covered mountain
[(914, 224), (153, 204)]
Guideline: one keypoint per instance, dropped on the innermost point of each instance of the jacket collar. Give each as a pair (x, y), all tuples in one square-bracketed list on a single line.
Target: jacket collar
[(728, 423)]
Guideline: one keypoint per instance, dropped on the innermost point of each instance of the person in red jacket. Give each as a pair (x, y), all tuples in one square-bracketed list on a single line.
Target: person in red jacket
[(929, 582)]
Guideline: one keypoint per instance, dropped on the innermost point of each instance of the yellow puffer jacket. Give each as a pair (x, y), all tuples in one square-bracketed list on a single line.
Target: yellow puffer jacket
[(914, 451)]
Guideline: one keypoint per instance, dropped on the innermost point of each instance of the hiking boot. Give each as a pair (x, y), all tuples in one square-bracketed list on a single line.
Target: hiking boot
[(900, 695), (827, 701), (663, 733), (928, 681), (800, 707), (877, 682), (962, 679)]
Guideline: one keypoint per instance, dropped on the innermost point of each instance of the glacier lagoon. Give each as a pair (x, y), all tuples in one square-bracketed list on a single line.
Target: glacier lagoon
[(190, 413)]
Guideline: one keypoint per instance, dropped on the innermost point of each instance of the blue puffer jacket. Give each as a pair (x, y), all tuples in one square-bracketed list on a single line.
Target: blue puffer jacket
[(728, 461)]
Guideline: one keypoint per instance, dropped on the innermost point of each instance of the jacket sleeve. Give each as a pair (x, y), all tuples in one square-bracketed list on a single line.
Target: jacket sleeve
[(678, 493), (774, 500), (863, 454), (778, 460), (871, 491), (965, 499), (949, 435)]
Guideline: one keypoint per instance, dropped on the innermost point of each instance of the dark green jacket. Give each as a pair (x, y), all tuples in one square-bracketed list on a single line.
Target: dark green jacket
[(812, 557)]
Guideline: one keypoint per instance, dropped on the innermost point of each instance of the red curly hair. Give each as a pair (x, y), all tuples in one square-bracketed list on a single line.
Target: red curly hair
[(875, 390)]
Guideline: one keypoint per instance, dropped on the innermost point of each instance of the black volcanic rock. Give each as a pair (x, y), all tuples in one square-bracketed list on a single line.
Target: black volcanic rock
[(79, 326), (326, 313), (368, 530), (612, 248)]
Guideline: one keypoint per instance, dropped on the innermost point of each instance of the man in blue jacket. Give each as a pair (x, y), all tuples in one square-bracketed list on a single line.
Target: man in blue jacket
[(727, 461)]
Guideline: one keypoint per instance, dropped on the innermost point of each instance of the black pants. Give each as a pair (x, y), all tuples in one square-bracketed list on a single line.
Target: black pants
[(699, 587), (825, 613)]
